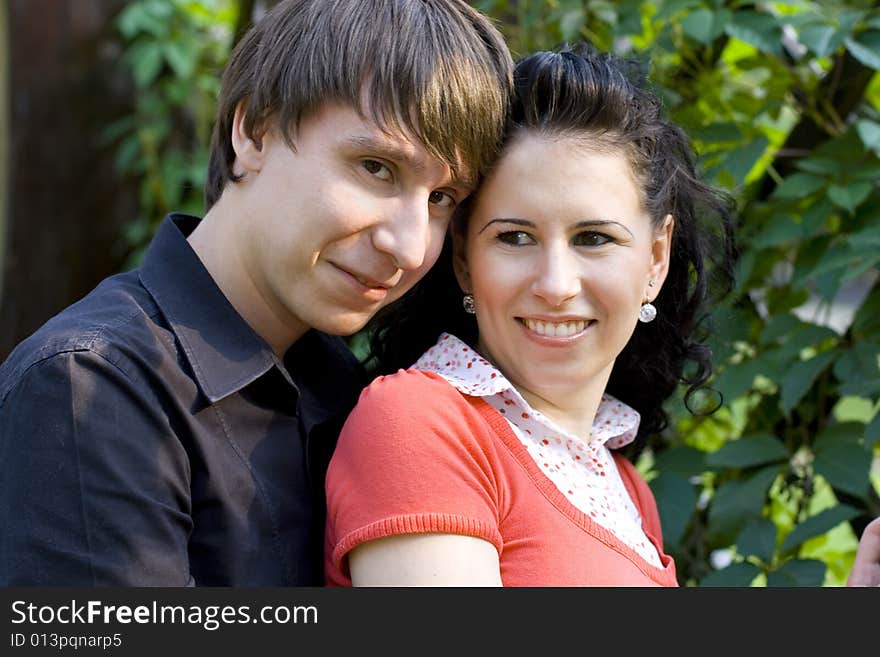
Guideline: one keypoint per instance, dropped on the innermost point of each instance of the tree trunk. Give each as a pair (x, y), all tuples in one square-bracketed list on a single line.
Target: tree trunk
[(64, 209)]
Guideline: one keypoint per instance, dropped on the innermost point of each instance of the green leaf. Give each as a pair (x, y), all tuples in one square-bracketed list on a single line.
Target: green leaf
[(136, 18), (758, 539), (817, 216), (719, 133), (869, 171), (821, 523), (146, 62), (736, 503), (867, 238), (804, 336), (866, 48), (699, 26), (826, 166), (779, 326), (798, 572), (670, 8), (857, 367), (748, 451), (572, 22), (735, 575), (780, 229), (798, 186), (740, 161), (846, 467), (676, 502), (867, 319), (757, 29), (869, 132), (841, 433), (850, 196), (682, 460), (801, 377), (736, 380), (872, 432), (822, 40), (181, 57), (839, 255)]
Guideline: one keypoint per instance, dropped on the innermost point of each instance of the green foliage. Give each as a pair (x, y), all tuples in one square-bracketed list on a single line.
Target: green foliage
[(783, 104), (173, 50)]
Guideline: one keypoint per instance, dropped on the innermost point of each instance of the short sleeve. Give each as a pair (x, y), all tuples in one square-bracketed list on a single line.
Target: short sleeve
[(413, 457)]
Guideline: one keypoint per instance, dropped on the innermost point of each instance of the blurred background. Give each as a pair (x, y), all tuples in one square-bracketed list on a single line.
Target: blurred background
[(104, 125)]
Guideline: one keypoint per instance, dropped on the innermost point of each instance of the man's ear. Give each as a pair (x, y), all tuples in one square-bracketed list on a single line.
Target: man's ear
[(661, 250), (459, 260), (249, 153)]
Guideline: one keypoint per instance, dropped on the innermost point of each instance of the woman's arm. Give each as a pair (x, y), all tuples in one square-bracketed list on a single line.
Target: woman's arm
[(425, 560), (866, 568)]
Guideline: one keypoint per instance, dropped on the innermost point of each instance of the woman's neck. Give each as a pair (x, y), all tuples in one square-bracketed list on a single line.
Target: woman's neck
[(573, 412)]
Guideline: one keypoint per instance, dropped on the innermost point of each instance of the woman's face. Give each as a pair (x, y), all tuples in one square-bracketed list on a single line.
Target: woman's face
[(559, 253)]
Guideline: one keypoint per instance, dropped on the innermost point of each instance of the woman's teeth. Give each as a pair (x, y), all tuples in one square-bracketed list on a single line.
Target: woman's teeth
[(554, 329)]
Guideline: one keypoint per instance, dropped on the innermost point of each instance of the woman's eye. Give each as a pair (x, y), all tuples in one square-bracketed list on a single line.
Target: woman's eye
[(376, 168), (515, 238), (442, 199), (591, 239)]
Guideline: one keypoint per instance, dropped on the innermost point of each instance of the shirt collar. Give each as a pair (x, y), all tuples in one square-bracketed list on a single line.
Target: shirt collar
[(615, 424), (225, 353)]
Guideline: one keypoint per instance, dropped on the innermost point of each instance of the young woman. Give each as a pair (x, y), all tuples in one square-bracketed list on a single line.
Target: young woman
[(584, 260)]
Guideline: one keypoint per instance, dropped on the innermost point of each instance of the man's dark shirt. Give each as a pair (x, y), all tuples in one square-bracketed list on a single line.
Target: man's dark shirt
[(149, 437)]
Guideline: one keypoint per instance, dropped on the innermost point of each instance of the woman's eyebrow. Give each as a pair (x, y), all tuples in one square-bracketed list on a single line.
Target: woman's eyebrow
[(592, 223), (509, 220), (589, 223)]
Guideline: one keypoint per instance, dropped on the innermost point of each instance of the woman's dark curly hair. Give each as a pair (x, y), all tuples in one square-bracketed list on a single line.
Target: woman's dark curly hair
[(606, 103)]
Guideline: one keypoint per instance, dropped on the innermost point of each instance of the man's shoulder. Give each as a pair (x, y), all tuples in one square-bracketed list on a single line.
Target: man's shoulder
[(116, 321)]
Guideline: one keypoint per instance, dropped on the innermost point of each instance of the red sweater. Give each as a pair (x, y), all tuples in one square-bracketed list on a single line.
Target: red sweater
[(417, 456)]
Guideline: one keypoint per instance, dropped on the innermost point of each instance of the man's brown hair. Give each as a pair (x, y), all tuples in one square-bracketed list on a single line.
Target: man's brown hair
[(436, 68)]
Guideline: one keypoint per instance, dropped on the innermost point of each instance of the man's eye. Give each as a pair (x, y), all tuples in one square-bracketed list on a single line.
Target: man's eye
[(376, 168), (515, 238), (441, 199), (591, 239)]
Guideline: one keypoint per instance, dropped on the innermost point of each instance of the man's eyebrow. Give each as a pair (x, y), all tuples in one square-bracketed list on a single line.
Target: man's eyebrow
[(391, 152), (589, 223), (388, 151)]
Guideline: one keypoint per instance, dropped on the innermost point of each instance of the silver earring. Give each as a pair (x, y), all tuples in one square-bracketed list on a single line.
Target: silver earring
[(647, 312), (468, 303), (651, 283)]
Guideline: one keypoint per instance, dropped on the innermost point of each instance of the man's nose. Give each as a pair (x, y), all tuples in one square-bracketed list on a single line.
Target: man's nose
[(558, 277), (403, 233)]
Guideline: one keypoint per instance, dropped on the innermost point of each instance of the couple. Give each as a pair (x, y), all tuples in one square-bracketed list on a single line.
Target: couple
[(175, 426)]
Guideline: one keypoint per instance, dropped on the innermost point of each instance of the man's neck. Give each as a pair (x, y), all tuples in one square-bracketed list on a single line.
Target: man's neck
[(215, 243)]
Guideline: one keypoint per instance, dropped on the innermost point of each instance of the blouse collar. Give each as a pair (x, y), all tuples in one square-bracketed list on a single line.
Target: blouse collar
[(615, 424)]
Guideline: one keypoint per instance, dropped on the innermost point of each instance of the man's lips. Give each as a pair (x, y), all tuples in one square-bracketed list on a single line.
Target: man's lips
[(368, 281)]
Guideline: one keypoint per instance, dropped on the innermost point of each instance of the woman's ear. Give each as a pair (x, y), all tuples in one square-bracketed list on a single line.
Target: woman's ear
[(661, 250), (249, 152), (459, 259)]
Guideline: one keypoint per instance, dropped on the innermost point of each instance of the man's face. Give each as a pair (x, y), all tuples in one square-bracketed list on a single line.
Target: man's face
[(344, 224)]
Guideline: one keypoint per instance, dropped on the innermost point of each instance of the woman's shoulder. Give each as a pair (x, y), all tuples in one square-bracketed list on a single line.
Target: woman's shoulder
[(412, 403), (410, 387)]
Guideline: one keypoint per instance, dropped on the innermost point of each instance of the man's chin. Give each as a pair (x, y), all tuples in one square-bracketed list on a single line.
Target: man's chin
[(343, 326)]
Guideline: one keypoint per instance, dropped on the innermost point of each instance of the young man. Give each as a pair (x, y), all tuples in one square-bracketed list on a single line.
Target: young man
[(174, 426)]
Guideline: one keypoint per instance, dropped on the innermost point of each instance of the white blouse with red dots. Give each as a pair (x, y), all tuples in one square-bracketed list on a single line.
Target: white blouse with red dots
[(582, 468)]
